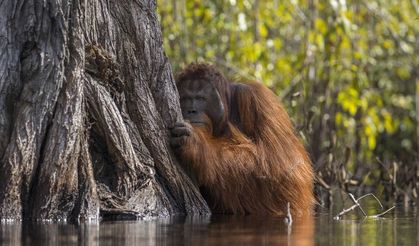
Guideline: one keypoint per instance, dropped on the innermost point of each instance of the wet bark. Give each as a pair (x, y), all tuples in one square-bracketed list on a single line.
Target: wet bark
[(86, 97)]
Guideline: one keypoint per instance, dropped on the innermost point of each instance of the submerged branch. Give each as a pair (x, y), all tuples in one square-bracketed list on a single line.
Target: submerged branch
[(357, 205), (383, 213)]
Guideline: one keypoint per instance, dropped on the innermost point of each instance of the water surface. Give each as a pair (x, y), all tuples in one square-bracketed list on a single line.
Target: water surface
[(400, 227)]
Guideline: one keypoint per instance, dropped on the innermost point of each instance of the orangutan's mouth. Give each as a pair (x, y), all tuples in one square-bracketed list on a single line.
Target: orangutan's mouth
[(198, 123)]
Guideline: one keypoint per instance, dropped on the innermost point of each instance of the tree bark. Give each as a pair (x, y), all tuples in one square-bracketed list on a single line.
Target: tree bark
[(86, 98)]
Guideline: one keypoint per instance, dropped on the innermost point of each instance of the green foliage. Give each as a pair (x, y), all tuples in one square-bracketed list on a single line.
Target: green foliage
[(346, 70)]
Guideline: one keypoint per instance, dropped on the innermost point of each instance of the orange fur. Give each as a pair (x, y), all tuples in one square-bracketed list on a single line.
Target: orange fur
[(256, 163)]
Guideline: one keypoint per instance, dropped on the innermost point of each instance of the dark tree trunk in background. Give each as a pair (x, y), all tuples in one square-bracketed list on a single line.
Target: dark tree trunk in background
[(86, 97)]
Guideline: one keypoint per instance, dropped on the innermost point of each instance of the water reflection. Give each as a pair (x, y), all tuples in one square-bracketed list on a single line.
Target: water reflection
[(400, 228)]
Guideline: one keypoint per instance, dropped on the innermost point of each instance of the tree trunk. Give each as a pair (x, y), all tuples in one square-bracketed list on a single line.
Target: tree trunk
[(87, 95)]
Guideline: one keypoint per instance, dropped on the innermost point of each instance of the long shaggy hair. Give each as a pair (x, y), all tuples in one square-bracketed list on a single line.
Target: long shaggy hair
[(258, 164)]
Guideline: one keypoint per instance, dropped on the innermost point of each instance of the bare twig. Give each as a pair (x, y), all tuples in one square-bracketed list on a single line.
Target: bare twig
[(345, 211), (381, 214), (288, 219), (370, 194), (323, 183), (357, 205)]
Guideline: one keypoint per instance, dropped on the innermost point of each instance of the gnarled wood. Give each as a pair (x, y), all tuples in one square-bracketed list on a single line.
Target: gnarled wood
[(87, 95)]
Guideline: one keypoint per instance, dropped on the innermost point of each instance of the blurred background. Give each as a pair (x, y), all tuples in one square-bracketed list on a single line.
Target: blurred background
[(347, 72)]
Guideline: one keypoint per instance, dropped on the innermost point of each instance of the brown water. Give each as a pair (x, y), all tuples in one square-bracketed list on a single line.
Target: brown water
[(400, 227)]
